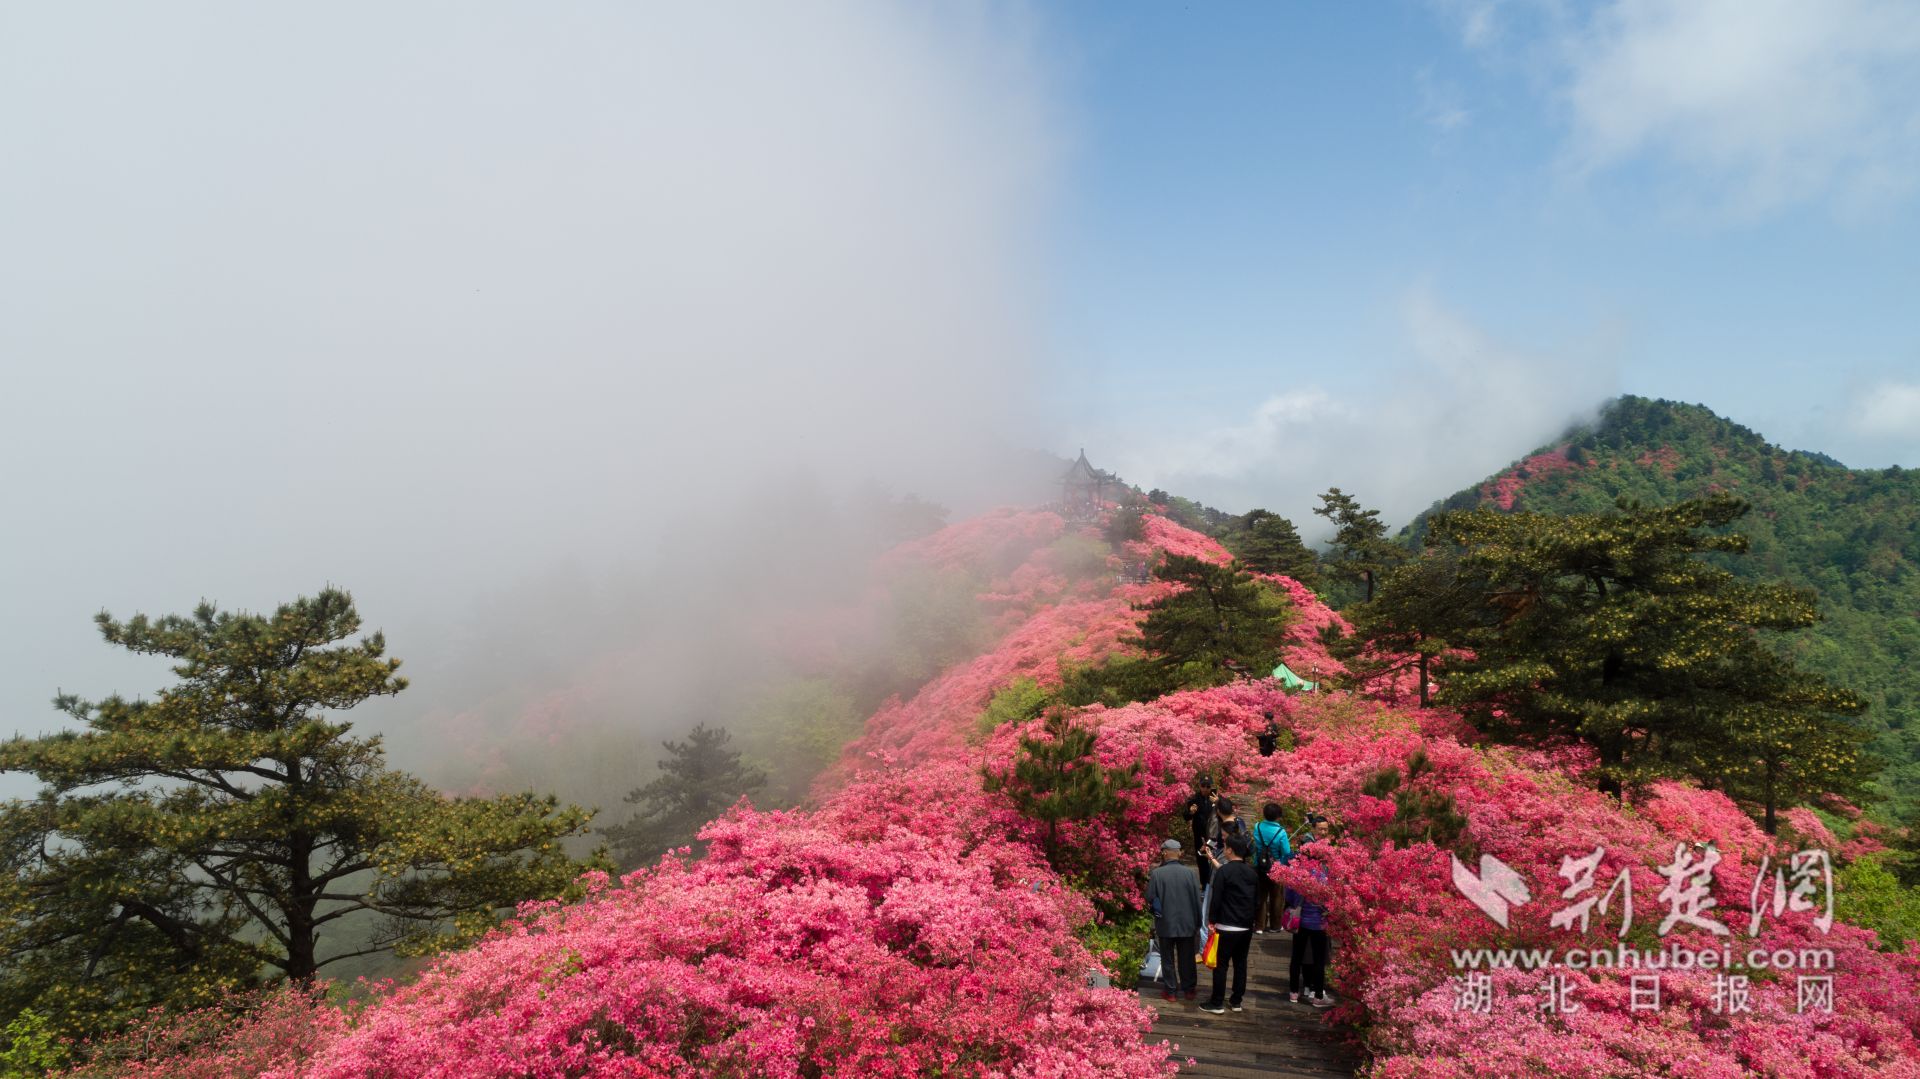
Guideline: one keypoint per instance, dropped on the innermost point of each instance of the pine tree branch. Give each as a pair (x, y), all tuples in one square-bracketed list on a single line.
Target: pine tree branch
[(343, 868), (239, 892), (376, 950), (355, 905)]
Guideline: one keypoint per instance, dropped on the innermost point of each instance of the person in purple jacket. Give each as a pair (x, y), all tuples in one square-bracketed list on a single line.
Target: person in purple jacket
[(1308, 965)]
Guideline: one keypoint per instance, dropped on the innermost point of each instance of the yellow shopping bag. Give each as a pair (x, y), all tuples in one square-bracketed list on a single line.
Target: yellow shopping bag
[(1212, 956)]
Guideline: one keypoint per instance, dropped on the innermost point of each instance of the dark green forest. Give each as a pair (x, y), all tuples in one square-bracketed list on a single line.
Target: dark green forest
[(1851, 535)]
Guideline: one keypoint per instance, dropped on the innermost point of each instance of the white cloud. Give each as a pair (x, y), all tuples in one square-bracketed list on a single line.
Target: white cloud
[(1890, 410), (1477, 21), (1440, 104), (1769, 101), (1753, 104), (1282, 420), (1464, 405)]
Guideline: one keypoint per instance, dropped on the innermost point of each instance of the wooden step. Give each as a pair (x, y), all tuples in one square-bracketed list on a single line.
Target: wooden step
[(1269, 1037)]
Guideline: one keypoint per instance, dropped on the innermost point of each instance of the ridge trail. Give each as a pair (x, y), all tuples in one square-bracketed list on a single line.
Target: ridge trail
[(1270, 1038)]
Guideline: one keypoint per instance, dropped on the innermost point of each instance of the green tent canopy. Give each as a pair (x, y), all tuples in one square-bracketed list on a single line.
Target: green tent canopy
[(1293, 682)]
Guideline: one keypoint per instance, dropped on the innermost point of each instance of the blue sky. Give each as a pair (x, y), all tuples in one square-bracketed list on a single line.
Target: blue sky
[(1713, 204)]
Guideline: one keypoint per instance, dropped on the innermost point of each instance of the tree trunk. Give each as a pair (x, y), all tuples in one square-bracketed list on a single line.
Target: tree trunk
[(303, 937), (1423, 680), (1770, 823), (1369, 575), (1610, 757)]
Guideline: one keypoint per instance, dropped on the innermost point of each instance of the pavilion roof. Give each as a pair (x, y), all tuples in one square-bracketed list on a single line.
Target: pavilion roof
[(1082, 471)]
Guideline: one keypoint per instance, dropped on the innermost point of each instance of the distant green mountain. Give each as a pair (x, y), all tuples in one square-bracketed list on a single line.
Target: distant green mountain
[(1852, 535)]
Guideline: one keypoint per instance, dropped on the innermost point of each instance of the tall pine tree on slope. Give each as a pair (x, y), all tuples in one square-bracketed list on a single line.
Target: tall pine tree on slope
[(1361, 549), (1612, 628), (181, 845), (699, 778)]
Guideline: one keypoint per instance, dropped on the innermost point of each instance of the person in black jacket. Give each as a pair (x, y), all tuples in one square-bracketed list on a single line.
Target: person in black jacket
[(1199, 813), (1226, 823), (1230, 913), (1269, 737)]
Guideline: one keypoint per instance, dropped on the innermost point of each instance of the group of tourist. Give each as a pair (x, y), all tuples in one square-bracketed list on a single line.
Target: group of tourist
[(1232, 895)]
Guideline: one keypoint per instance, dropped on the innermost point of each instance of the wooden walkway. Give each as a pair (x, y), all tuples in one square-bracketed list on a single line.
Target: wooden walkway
[(1271, 1037)]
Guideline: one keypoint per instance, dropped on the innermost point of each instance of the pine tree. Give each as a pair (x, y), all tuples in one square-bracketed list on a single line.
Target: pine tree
[(1126, 525), (1409, 621), (700, 779), (1219, 624), (1786, 746), (1269, 543), (1361, 548), (1612, 628), (1057, 777), (182, 845), (1904, 859), (1421, 814)]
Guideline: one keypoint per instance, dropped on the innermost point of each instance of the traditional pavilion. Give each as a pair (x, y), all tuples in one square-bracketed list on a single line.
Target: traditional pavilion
[(1085, 487)]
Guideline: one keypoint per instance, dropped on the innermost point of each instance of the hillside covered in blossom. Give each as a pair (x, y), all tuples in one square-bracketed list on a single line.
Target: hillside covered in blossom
[(905, 921)]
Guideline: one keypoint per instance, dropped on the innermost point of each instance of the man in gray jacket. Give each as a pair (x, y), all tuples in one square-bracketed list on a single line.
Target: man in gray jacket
[(1173, 895)]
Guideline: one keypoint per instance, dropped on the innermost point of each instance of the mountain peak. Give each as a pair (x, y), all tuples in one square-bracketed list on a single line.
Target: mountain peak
[(1850, 535)]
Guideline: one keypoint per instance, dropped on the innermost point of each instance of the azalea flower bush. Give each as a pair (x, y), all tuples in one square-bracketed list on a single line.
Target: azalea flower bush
[(786, 951), (1112, 855), (935, 721), (283, 1027), (1399, 921), (992, 543), (908, 924), (1164, 537), (1503, 490)]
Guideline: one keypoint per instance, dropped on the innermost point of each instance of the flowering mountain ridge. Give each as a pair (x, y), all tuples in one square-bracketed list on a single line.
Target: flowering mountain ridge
[(907, 924)]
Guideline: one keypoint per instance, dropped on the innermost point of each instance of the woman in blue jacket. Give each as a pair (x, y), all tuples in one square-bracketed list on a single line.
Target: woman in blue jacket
[(1271, 847)]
